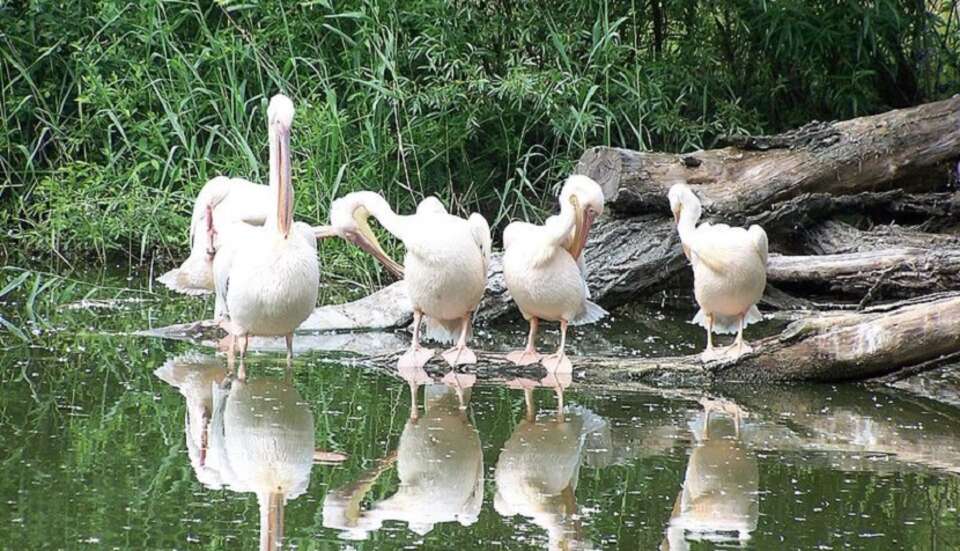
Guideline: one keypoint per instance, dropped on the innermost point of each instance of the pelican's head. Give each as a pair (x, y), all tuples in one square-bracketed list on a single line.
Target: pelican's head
[(431, 205), (683, 199), (586, 198), (279, 119), (349, 217)]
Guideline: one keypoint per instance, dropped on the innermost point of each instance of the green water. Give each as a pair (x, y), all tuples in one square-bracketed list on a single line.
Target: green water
[(116, 441)]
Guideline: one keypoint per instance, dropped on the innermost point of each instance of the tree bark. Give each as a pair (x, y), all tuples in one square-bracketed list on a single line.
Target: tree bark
[(903, 149)]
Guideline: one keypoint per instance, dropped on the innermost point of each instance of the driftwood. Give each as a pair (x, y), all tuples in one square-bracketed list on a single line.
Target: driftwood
[(826, 346)]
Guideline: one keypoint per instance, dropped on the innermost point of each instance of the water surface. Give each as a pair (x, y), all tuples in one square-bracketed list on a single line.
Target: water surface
[(117, 441)]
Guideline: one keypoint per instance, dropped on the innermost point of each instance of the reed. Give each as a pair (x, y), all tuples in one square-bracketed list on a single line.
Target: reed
[(114, 121)]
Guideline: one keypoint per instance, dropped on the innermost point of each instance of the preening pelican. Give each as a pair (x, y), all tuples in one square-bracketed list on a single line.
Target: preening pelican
[(445, 267), (729, 269), (544, 270), (221, 204), (267, 278), (439, 462)]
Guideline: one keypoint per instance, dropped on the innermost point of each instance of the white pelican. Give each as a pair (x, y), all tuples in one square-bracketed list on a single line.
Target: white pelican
[(445, 267), (439, 462), (544, 269), (729, 269), (719, 500), (538, 469), (221, 203), (267, 277)]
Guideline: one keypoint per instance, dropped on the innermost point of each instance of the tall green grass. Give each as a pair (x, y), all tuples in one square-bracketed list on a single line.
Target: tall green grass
[(116, 113)]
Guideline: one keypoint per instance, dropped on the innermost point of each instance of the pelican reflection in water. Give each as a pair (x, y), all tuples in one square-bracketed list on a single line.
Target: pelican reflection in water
[(719, 500), (247, 436), (537, 472), (439, 462)]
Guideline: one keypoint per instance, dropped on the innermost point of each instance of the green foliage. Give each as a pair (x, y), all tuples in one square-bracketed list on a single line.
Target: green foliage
[(116, 113)]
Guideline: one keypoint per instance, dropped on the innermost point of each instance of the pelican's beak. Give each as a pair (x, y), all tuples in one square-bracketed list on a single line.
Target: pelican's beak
[(676, 214), (285, 187), (324, 232), (583, 220), (364, 238)]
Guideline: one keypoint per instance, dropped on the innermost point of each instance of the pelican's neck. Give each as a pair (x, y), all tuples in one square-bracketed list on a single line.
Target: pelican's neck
[(689, 216), (560, 228), (378, 207)]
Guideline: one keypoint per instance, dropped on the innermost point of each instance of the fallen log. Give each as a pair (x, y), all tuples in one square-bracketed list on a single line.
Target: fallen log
[(871, 274), (834, 237), (822, 347), (905, 149)]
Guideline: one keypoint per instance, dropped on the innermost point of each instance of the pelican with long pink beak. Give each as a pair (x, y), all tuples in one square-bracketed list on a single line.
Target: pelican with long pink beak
[(267, 278)]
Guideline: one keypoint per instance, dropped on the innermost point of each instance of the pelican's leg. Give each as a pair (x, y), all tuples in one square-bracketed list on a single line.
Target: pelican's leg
[(229, 343), (559, 362), (416, 356), (244, 342), (460, 382), (529, 354), (710, 353), (460, 354), (740, 346), (289, 339), (531, 409), (414, 410)]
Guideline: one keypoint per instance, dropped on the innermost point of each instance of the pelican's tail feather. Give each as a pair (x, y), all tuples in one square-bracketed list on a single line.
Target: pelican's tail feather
[(193, 277), (591, 313), (443, 331), (727, 325)]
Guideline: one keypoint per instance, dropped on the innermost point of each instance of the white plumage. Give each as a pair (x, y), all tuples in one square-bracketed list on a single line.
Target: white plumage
[(544, 270), (267, 278), (538, 469), (445, 266), (729, 269)]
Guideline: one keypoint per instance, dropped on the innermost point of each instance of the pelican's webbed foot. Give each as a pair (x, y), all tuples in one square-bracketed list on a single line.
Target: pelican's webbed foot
[(460, 355), (557, 363), (712, 354), (524, 357), (415, 358)]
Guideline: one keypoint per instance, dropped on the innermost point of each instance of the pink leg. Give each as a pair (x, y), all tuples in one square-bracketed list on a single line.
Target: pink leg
[(416, 356), (529, 354), (460, 354), (244, 343), (559, 362)]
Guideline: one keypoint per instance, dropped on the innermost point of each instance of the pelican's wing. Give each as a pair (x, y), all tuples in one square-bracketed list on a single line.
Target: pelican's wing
[(711, 245), (235, 235), (759, 242), (246, 202), (481, 235), (516, 232)]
